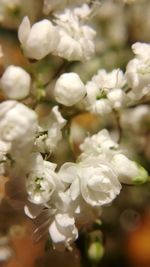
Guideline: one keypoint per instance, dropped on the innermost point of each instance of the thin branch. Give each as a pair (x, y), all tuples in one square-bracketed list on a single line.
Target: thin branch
[(119, 127)]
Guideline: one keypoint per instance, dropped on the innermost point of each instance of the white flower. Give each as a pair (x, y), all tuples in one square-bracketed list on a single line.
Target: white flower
[(83, 11), (129, 172), (95, 103), (63, 231), (18, 124), (93, 179), (138, 71), (15, 82), (76, 39), (50, 131), (141, 50), (69, 89), (109, 80), (104, 92), (42, 181), (97, 145), (138, 77), (39, 40), (78, 208)]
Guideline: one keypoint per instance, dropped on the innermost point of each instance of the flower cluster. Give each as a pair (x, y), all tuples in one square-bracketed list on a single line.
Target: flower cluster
[(72, 195), (66, 37)]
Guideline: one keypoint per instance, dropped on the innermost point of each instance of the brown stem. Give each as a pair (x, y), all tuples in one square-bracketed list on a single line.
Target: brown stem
[(119, 127)]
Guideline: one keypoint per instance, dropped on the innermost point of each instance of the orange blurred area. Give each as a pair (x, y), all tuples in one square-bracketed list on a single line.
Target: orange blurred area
[(26, 253), (138, 244), (3, 181)]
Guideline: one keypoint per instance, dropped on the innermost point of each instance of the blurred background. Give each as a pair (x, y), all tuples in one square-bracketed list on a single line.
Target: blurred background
[(122, 239)]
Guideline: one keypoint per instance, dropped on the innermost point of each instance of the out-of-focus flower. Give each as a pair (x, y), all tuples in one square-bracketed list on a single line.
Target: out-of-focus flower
[(129, 1), (12, 12), (51, 5), (137, 119), (49, 132), (7, 7), (15, 83), (39, 40), (137, 74), (69, 89), (138, 71), (141, 50)]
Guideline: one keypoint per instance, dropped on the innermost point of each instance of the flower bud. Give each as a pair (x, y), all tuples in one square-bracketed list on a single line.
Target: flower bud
[(15, 83), (95, 251), (39, 40), (129, 172), (69, 89), (142, 176)]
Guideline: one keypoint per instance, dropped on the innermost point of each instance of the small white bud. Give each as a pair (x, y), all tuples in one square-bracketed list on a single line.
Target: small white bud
[(39, 40), (129, 172), (15, 83), (69, 89)]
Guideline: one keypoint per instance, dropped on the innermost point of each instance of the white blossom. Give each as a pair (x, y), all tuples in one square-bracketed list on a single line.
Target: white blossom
[(76, 39), (78, 208), (109, 80), (15, 82), (69, 89), (39, 40), (104, 92), (63, 231), (93, 179), (100, 144), (138, 78), (49, 133), (138, 71), (42, 181), (18, 124), (141, 50)]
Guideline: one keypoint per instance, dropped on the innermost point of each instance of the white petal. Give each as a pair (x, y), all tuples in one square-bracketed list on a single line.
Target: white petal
[(24, 30)]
